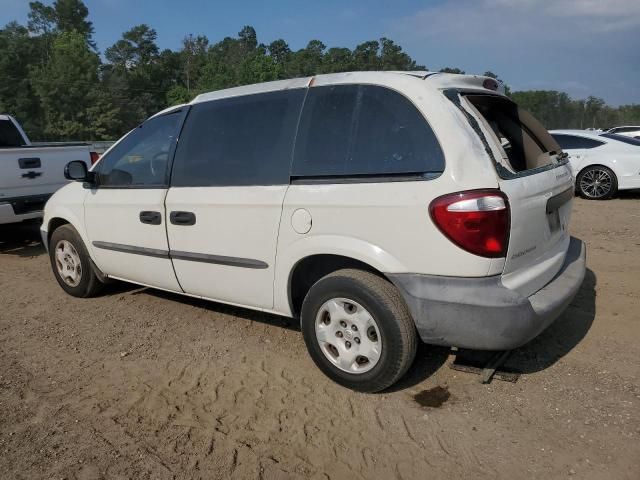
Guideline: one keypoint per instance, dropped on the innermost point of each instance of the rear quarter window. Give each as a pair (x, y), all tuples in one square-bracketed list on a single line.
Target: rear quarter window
[(622, 138), (361, 130), (9, 135), (574, 142)]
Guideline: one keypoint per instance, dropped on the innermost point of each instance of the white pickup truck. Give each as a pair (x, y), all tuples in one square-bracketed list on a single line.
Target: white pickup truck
[(31, 173)]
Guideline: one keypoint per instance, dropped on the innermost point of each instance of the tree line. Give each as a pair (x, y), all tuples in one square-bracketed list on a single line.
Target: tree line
[(57, 84)]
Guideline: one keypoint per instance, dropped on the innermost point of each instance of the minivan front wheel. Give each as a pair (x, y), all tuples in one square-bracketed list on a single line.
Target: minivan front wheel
[(358, 330), (71, 263)]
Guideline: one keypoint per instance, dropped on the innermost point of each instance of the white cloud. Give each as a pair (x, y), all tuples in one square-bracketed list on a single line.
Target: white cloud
[(468, 17), (599, 9), (581, 46), (603, 15)]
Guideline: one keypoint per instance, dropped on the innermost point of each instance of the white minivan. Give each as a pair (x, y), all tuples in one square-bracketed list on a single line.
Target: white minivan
[(379, 208)]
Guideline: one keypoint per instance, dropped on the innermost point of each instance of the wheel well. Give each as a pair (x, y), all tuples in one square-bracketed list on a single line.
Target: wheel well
[(54, 223), (311, 269)]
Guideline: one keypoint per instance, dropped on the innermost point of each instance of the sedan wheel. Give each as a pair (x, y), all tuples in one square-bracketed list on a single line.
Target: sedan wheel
[(597, 183)]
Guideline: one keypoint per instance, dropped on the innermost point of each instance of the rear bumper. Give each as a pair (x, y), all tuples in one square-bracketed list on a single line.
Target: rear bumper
[(481, 313), (14, 210), (8, 215)]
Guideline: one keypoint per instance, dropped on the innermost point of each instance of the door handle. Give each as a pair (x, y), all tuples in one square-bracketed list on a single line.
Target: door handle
[(25, 163), (31, 175), (182, 218), (151, 218)]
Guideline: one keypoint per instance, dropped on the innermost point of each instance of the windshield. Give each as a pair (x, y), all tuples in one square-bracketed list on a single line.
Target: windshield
[(622, 138)]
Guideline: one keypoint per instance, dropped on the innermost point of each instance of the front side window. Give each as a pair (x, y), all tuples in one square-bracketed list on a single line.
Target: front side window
[(573, 142), (237, 141), (356, 130), (142, 157)]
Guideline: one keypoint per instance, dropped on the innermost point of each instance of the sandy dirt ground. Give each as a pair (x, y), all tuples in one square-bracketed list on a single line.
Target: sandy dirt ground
[(143, 384)]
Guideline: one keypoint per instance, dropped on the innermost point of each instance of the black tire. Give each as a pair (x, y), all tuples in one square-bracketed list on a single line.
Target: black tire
[(386, 305), (582, 183), (88, 284)]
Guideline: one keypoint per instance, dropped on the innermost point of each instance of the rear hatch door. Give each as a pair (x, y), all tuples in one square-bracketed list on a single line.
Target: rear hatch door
[(535, 175)]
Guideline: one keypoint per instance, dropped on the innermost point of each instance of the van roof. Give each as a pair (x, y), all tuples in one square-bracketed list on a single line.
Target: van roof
[(436, 80)]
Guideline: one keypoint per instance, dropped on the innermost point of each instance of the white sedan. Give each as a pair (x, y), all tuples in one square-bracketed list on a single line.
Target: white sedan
[(633, 132), (601, 163)]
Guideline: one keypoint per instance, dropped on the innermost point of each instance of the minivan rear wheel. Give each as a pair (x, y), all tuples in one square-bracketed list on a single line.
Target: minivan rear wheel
[(71, 263), (358, 330)]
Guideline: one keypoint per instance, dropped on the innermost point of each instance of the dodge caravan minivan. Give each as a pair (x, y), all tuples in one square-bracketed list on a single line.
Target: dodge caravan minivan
[(379, 208)]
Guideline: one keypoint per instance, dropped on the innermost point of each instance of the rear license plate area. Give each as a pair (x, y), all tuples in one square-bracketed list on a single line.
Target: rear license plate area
[(554, 221), (553, 209)]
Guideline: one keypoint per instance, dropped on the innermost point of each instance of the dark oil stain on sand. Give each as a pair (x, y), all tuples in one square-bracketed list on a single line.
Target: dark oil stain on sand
[(434, 397)]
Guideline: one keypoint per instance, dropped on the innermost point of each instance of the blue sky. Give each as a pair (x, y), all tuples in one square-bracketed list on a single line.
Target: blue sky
[(583, 47)]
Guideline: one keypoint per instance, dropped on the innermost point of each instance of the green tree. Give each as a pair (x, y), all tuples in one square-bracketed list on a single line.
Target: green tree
[(280, 52), (42, 18), (71, 16), (138, 75), (393, 58), (136, 48), (18, 51), (452, 70), (62, 16), (308, 60), (338, 60), (65, 87), (365, 56), (248, 38), (193, 56)]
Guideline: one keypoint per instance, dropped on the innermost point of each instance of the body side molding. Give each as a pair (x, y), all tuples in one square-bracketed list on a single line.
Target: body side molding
[(179, 255)]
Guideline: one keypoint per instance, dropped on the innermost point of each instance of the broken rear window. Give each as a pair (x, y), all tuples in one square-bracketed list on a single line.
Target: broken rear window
[(525, 143)]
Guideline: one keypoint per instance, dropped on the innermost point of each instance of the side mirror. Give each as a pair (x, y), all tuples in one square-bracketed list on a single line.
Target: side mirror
[(76, 170)]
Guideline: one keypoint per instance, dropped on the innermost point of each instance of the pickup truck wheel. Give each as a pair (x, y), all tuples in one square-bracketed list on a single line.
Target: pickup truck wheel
[(597, 182), (358, 330), (71, 263)]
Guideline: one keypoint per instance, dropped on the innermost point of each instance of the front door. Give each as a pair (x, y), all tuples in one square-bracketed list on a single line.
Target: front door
[(124, 214), (230, 176)]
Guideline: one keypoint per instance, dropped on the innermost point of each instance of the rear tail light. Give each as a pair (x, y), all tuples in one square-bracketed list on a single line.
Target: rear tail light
[(95, 156), (477, 221)]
